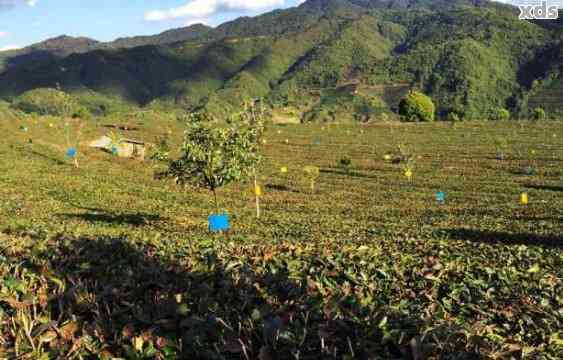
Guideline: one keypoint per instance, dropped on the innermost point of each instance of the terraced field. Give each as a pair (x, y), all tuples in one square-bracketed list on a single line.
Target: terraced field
[(104, 261)]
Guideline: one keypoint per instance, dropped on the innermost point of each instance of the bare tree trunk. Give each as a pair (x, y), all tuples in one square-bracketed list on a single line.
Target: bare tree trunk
[(216, 203)]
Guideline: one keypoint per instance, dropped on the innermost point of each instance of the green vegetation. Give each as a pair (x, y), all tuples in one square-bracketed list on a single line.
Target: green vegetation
[(48, 102), (539, 114), (214, 156), (502, 114), (334, 60), (453, 117), (104, 261), (417, 107)]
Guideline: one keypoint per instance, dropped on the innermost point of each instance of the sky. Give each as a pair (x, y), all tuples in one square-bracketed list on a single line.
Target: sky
[(24, 22)]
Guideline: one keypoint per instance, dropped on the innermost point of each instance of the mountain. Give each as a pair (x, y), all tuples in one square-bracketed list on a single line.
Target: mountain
[(323, 60), (62, 46)]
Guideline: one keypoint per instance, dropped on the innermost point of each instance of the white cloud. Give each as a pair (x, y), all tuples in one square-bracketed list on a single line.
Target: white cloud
[(8, 4), (198, 9)]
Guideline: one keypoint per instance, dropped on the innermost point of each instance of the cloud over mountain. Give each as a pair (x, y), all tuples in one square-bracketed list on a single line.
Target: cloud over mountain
[(198, 9)]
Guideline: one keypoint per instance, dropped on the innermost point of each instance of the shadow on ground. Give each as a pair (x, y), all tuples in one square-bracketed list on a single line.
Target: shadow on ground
[(278, 187), (545, 187), (504, 238), (129, 300), (47, 157), (95, 216), (351, 173)]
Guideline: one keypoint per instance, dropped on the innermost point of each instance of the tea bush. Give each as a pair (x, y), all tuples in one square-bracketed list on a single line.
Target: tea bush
[(417, 107)]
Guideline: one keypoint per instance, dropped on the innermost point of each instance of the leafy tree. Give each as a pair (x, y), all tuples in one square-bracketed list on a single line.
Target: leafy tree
[(539, 114), (502, 114), (215, 155), (417, 107)]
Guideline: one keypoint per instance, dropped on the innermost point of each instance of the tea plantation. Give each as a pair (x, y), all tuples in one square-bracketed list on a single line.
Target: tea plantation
[(105, 261)]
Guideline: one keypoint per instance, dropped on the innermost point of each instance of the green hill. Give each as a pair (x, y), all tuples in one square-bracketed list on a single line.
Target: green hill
[(471, 57)]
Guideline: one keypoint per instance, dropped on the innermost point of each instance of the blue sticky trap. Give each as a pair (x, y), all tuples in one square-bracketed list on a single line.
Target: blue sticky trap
[(71, 153), (114, 151), (441, 197), (219, 223)]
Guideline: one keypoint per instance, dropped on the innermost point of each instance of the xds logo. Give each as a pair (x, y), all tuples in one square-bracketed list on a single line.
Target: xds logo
[(541, 11)]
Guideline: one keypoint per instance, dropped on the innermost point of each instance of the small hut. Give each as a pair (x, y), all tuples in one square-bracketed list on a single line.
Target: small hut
[(127, 148)]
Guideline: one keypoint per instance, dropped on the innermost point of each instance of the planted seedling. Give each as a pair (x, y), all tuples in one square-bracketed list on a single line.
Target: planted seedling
[(115, 142), (72, 145), (405, 152), (311, 174), (408, 168), (345, 163), (254, 114), (501, 147), (530, 169)]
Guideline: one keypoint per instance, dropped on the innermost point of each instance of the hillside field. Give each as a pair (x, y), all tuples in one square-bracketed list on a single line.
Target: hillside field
[(105, 261)]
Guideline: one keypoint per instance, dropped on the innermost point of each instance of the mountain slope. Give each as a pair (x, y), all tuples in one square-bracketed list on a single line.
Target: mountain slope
[(470, 56), (62, 46)]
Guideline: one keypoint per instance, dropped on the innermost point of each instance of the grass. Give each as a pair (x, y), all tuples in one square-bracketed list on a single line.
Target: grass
[(104, 261)]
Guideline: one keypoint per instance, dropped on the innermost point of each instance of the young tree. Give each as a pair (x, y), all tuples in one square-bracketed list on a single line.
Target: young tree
[(311, 173), (214, 155), (539, 114)]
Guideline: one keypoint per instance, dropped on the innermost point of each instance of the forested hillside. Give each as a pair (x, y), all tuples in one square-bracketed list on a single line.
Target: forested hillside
[(319, 61)]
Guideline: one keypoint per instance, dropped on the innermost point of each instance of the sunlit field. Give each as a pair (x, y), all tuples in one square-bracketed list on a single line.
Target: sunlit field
[(106, 261)]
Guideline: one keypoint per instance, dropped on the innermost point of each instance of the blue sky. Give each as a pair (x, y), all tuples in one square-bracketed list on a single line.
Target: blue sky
[(23, 22)]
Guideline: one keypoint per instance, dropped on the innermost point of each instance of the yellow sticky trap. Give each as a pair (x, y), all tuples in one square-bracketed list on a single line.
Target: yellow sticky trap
[(408, 174), (283, 170), (524, 200), (287, 141), (258, 190), (50, 125), (533, 152), (387, 157), (264, 141)]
